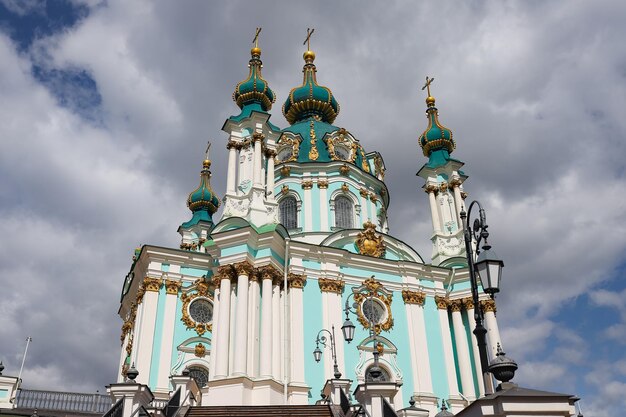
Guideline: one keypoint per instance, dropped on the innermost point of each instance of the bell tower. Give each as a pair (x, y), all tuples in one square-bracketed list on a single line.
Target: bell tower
[(444, 185)]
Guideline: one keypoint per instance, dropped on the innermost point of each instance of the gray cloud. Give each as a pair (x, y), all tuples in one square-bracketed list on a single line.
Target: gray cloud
[(533, 91)]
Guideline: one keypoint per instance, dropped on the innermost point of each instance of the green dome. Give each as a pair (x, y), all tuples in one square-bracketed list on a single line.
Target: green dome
[(203, 198), (310, 100), (254, 89), (436, 136)]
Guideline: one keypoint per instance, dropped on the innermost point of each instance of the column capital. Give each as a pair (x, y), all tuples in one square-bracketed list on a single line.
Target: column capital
[(488, 305), (152, 284), (172, 286), (223, 272), (455, 305), (256, 137), (296, 280), (430, 188), (331, 285), (270, 153), (322, 183), (455, 182), (468, 303), (307, 184), (244, 268), (269, 272), (442, 302), (413, 297), (233, 145)]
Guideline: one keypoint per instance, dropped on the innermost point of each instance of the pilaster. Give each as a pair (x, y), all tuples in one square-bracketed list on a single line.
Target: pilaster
[(442, 307)]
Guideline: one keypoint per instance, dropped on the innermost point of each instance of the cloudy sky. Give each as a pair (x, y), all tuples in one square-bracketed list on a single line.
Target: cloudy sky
[(106, 107)]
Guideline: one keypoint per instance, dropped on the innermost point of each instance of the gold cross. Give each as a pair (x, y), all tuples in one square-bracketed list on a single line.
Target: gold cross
[(255, 41), (427, 85), (309, 32), (207, 149)]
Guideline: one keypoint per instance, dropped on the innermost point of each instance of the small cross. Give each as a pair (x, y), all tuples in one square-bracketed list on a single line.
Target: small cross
[(255, 41), (427, 85), (206, 154), (307, 41)]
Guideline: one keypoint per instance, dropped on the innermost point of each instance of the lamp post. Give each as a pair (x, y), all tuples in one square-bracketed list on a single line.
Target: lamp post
[(348, 334), (322, 340), (489, 269)]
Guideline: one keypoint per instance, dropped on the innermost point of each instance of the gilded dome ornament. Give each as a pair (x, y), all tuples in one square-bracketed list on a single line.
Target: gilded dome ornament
[(203, 198), (436, 136), (370, 243)]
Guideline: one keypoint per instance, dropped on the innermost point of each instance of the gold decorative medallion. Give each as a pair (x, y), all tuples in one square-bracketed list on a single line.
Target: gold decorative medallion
[(285, 171), (370, 243), (345, 188), (284, 190), (200, 350), (292, 142), (373, 305), (344, 170), (203, 289)]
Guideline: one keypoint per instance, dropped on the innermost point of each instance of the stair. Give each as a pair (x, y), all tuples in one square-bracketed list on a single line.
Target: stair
[(261, 411)]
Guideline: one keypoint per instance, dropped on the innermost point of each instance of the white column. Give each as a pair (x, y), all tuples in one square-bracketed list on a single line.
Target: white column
[(167, 335), (493, 334), (269, 190), (276, 343), (468, 303), (146, 336), (233, 323), (448, 355), (258, 160), (458, 203), (231, 179), (223, 328), (296, 283), (241, 316), (414, 301), (434, 213), (308, 204), (365, 214), (324, 204), (253, 325), (331, 316), (214, 327), (462, 350), (265, 368)]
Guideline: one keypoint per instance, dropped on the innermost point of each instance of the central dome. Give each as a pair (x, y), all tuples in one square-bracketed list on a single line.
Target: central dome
[(310, 100)]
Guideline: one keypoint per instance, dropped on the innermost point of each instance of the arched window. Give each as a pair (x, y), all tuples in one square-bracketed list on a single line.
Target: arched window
[(384, 375), (200, 374), (288, 208), (343, 213)]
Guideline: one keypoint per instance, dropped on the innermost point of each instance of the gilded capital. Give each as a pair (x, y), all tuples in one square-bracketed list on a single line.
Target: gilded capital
[(307, 184), (256, 136), (269, 272), (322, 183), (244, 268), (331, 285), (233, 145), (468, 303), (430, 188), (172, 286), (455, 305), (296, 280), (413, 297), (364, 193), (152, 284), (285, 171), (488, 306), (140, 292), (223, 272), (442, 302)]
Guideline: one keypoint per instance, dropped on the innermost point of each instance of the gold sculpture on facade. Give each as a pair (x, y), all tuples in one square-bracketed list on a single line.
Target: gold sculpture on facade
[(370, 243)]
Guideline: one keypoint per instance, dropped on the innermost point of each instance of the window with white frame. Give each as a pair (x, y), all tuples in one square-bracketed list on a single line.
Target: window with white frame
[(288, 208), (344, 212)]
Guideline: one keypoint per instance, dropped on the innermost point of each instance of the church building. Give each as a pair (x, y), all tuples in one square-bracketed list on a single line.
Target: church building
[(302, 251)]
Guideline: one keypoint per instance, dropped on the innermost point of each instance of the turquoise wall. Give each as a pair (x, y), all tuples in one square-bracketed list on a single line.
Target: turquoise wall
[(435, 349)]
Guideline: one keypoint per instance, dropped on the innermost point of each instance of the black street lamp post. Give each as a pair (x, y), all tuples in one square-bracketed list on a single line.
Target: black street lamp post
[(348, 334), (317, 353), (489, 269)]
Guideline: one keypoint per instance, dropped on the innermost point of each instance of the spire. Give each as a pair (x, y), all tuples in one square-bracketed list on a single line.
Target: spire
[(254, 89), (203, 201), (310, 100), (436, 137)]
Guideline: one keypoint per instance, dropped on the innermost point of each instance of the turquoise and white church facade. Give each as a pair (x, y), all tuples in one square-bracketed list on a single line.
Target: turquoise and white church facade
[(303, 230)]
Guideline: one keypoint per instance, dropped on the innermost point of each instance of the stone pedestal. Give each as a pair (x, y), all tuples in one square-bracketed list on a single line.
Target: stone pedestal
[(372, 396), (132, 394), (8, 387)]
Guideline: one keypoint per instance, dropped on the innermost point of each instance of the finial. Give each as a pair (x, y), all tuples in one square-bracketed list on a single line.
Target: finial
[(430, 100), (309, 56), (207, 162), (412, 401), (502, 368), (256, 50), (132, 373)]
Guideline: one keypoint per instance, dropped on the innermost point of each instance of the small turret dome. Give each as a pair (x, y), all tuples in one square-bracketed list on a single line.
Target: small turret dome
[(254, 89), (203, 198), (436, 136), (310, 100)]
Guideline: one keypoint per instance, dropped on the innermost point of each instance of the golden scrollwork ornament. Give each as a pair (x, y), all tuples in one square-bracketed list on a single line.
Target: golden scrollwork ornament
[(370, 243), (380, 317)]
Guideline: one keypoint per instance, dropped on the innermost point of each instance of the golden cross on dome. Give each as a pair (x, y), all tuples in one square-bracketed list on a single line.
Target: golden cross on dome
[(208, 147), (307, 41), (255, 41), (427, 85)]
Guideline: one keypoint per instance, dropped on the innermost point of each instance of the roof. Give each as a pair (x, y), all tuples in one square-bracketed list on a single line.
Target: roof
[(262, 411)]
